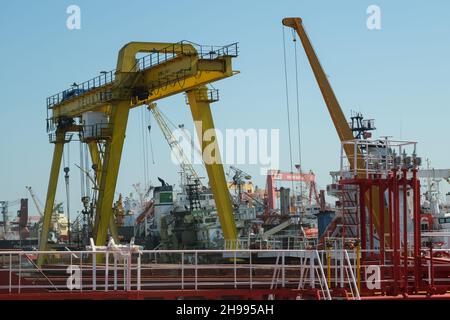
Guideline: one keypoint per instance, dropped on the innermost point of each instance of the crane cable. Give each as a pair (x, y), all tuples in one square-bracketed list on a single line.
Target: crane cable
[(287, 103), (87, 169), (66, 161), (82, 178), (150, 136), (298, 112), (194, 148), (144, 153)]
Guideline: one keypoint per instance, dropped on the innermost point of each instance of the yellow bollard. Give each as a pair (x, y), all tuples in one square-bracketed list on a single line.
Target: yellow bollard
[(328, 267)]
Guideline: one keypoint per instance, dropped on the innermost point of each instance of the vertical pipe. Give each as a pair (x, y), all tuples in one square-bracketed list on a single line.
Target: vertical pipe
[(342, 267), (94, 272), (196, 267), (251, 270), (381, 189), (417, 231), (390, 215), (431, 267), (129, 271), (81, 272), (106, 271), (115, 273), (362, 210), (405, 229), (328, 267), (312, 274), (371, 236), (182, 270), (20, 272), (396, 247), (139, 272), (235, 271), (283, 270), (10, 272), (358, 267)]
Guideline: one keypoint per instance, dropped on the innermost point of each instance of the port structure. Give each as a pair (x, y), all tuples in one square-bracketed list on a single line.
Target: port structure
[(166, 69), (334, 109), (397, 251)]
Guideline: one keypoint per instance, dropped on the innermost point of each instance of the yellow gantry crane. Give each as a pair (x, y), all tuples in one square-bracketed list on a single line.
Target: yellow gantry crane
[(339, 121), (98, 111)]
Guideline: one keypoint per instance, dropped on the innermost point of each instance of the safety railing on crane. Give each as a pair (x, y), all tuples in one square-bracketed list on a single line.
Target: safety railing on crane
[(78, 89), (143, 63), (378, 157)]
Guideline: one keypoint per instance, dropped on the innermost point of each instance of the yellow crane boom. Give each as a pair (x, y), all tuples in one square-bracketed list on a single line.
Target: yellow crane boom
[(340, 123)]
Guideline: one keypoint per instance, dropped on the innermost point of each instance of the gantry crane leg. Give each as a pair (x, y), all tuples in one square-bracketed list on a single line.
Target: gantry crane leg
[(110, 169), (201, 113), (97, 161), (51, 192)]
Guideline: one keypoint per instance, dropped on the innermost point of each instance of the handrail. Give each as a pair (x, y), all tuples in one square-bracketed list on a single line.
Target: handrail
[(144, 63), (193, 270)]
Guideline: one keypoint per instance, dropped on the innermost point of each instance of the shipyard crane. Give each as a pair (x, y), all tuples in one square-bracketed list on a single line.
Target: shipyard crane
[(98, 111), (35, 200), (340, 123), (277, 175), (185, 164), (239, 179)]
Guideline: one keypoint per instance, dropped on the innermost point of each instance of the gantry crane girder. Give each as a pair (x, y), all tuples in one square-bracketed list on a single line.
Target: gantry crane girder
[(339, 121), (167, 69)]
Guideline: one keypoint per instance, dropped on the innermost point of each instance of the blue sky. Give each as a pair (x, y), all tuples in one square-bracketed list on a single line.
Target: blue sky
[(398, 75)]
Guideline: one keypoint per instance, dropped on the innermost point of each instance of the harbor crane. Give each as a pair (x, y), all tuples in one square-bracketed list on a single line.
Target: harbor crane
[(97, 110), (337, 115), (35, 200), (177, 150)]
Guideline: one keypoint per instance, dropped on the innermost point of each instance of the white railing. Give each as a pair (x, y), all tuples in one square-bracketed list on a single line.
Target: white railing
[(202, 269)]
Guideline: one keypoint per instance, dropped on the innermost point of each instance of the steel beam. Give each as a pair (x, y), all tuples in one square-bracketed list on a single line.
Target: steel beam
[(97, 160), (110, 169), (51, 192), (201, 113)]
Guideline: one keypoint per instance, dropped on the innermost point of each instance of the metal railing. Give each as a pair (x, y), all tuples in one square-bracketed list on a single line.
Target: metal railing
[(79, 89), (98, 131), (162, 269), (377, 157), (324, 270), (143, 63)]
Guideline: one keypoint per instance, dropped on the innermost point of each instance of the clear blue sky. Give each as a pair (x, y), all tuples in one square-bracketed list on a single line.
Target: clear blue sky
[(398, 75)]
